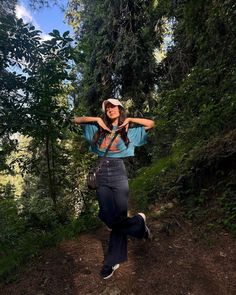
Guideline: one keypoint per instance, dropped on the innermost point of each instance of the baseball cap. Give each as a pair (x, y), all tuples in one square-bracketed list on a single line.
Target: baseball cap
[(113, 101)]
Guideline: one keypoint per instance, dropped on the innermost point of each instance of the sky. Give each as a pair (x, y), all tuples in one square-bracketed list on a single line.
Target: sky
[(45, 19)]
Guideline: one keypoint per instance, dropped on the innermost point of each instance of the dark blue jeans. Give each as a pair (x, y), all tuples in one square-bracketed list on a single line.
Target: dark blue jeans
[(112, 194)]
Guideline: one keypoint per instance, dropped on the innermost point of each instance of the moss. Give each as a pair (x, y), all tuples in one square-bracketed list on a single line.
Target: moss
[(146, 181)]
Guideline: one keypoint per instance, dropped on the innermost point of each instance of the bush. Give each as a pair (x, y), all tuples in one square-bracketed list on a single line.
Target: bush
[(21, 237)]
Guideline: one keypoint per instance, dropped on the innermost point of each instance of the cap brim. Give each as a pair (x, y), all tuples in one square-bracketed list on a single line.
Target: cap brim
[(112, 101)]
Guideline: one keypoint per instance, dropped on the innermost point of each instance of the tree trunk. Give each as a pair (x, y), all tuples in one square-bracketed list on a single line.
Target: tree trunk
[(51, 184)]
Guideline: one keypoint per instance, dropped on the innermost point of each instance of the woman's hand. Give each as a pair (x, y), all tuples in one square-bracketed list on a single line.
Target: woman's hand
[(125, 124), (98, 120), (147, 123), (102, 124)]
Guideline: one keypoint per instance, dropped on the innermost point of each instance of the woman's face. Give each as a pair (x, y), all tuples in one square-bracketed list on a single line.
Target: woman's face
[(112, 111)]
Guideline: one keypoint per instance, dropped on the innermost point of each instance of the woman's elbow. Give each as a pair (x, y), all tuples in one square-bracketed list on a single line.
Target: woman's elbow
[(150, 125), (77, 120)]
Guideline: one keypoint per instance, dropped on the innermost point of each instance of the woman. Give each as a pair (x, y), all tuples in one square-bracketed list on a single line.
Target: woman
[(113, 191)]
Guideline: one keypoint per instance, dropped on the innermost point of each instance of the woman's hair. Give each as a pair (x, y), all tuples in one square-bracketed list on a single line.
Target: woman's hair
[(101, 133)]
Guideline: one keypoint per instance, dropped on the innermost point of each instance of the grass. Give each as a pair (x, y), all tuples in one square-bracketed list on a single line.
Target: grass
[(145, 182)]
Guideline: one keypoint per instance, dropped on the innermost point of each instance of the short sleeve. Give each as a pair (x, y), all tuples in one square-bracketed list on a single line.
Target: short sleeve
[(89, 130), (137, 135)]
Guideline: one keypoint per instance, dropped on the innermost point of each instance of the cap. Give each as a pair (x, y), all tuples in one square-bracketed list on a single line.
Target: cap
[(113, 101)]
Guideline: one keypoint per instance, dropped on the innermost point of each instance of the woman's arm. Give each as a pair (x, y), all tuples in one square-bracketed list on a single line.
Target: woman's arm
[(98, 120), (147, 123), (84, 120)]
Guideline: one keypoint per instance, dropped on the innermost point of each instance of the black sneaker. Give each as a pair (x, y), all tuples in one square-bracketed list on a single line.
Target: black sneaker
[(107, 271), (147, 233)]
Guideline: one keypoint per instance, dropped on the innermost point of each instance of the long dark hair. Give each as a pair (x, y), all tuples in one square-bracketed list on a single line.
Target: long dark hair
[(101, 133)]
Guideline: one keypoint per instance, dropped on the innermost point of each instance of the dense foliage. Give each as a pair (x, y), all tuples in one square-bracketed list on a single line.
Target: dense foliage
[(190, 93), (116, 40), (196, 112), (41, 180)]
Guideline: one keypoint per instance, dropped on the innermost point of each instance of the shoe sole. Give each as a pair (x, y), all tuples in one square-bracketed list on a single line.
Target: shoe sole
[(115, 267), (146, 227), (148, 232)]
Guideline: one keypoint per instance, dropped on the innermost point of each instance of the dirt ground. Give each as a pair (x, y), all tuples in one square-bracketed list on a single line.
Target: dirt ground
[(176, 261)]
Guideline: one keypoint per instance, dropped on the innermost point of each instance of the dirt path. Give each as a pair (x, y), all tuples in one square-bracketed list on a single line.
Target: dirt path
[(174, 262)]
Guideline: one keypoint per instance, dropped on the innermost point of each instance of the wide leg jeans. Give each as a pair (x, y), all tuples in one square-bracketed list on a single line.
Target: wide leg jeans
[(112, 195)]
